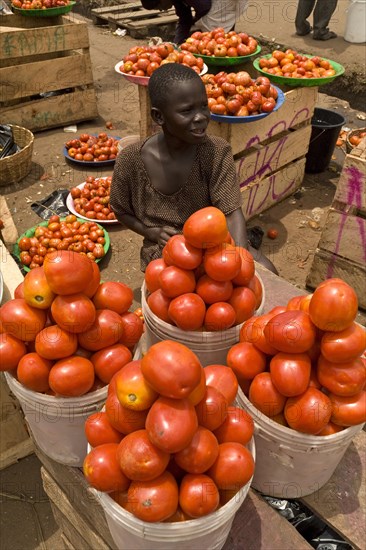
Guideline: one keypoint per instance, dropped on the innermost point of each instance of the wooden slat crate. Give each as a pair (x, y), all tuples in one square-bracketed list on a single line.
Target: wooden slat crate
[(341, 250), (46, 73), (269, 153)]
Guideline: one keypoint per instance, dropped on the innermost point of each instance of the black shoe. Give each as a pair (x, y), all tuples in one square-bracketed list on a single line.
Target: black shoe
[(326, 36), (255, 236), (305, 32)]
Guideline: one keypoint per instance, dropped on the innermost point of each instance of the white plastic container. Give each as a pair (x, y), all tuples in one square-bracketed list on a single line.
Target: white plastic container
[(355, 31), (291, 464), (210, 347), (57, 423), (207, 533), (128, 140)]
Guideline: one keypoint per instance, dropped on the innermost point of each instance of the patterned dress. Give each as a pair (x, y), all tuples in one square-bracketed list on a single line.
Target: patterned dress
[(211, 182)]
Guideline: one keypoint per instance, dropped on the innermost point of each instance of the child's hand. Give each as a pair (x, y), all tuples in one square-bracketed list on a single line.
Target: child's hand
[(165, 233)]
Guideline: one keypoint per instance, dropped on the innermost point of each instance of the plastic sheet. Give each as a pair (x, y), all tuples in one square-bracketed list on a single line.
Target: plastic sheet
[(53, 204)]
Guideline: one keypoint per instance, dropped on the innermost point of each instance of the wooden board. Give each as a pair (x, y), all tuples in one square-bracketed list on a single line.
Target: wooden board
[(100, 15), (351, 187), (9, 234)]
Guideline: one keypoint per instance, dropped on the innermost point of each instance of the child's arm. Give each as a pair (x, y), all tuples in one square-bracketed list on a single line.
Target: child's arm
[(158, 235), (237, 227)]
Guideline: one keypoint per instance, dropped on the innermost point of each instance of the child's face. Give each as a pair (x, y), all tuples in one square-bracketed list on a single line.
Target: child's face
[(186, 114)]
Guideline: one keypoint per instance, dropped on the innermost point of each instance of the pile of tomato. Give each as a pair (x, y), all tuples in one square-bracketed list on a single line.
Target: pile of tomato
[(92, 200), (302, 365), (203, 281), (237, 94), (65, 333), (291, 64), (170, 445), (39, 4), (218, 43), (91, 148), (62, 234)]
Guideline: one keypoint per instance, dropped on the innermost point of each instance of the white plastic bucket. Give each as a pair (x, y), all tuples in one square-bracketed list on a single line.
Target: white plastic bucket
[(291, 464), (207, 533), (57, 423), (210, 347), (356, 22)]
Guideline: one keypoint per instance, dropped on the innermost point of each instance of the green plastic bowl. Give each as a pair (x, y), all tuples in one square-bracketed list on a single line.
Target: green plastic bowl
[(227, 61), (296, 82), (48, 12), (30, 233)]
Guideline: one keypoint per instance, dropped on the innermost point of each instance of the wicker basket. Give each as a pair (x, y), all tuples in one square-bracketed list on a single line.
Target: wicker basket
[(15, 167)]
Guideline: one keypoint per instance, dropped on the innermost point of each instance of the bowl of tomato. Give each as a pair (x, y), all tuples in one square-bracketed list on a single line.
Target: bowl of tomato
[(90, 200), (92, 150)]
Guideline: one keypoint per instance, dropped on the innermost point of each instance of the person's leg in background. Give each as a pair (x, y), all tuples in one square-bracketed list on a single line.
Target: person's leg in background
[(323, 12), (304, 9)]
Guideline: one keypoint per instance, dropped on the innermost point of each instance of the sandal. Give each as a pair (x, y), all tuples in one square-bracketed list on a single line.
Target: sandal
[(326, 36), (305, 32)]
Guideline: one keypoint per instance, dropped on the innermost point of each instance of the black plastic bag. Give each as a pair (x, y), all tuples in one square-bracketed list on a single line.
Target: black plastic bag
[(55, 203), (7, 145)]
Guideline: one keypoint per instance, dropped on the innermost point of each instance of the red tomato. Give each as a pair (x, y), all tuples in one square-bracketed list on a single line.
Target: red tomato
[(33, 372), (67, 272), (219, 316), (153, 269), (21, 320), (330, 429), (139, 459), (175, 281), (122, 419), (73, 312), (223, 379), (36, 290), (309, 412), (294, 303), (53, 342), (106, 330), (223, 262), (247, 269), (187, 311), (344, 345), (110, 360), (171, 424), (183, 254), (199, 391), (244, 302), (117, 297), (291, 332), (272, 233), (132, 389), (212, 409), (342, 378), (200, 454), (252, 331), (198, 495), (348, 411), (72, 377), (206, 228), (246, 360), (290, 373), (94, 282), (154, 500), (158, 302), (102, 470), (237, 427), (212, 291), (256, 286), (19, 291), (98, 430), (171, 369), (333, 306), (265, 396), (133, 328), (233, 468), (11, 351)]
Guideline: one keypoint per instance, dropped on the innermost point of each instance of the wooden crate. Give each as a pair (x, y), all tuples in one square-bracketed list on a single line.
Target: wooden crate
[(341, 251), (45, 55), (269, 154)]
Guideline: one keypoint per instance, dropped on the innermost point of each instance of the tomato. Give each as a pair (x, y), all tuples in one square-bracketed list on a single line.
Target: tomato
[(200, 454), (252, 331), (199, 391), (98, 430), (330, 429), (246, 360), (171, 369), (265, 396), (271, 233), (175, 281), (333, 306), (344, 345), (342, 378), (117, 297), (198, 495), (122, 419), (152, 271), (179, 515), (11, 351), (233, 467), (21, 320), (212, 409), (94, 282), (171, 423), (290, 372), (294, 303), (183, 254), (291, 332), (223, 379), (222, 262), (37, 292), (247, 268), (19, 290), (132, 389), (109, 360), (244, 302), (102, 470), (106, 330), (53, 342), (205, 228), (309, 412), (219, 316), (238, 426), (154, 500), (67, 272), (73, 312), (212, 291), (139, 459), (158, 302), (256, 286), (72, 377), (187, 311), (132, 329), (33, 372), (348, 411)]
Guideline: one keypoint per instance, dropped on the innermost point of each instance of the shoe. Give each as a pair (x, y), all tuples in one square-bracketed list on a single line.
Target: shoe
[(304, 33), (255, 236), (326, 36)]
